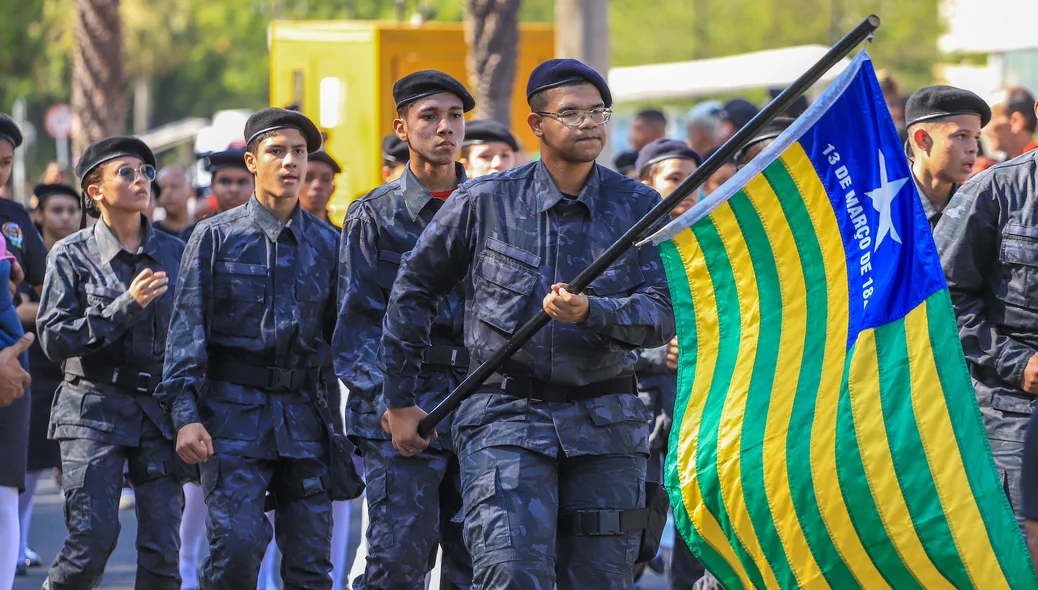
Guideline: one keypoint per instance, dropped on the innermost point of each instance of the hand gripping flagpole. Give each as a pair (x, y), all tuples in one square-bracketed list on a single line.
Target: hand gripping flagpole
[(475, 379)]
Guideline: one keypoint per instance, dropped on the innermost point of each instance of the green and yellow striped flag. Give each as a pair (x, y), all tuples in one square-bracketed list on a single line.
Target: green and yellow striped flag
[(826, 434)]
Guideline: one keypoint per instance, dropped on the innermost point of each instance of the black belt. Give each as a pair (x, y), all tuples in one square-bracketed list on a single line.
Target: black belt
[(549, 392), (446, 356), (128, 377), (270, 378)]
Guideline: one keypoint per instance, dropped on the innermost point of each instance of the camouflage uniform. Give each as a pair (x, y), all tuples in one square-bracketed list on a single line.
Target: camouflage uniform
[(524, 462), (255, 303), (988, 240), (103, 415), (418, 494)]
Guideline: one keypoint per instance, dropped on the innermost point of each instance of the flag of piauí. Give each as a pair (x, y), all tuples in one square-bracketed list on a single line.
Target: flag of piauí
[(826, 433)]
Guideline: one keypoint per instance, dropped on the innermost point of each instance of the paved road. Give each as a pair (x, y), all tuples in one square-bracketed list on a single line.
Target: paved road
[(48, 533)]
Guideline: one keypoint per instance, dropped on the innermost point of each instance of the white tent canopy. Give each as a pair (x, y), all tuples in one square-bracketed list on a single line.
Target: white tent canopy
[(776, 68)]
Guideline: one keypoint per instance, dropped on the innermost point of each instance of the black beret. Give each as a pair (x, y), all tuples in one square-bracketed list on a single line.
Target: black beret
[(769, 131), (935, 102), (561, 72), (230, 158), (9, 131), (738, 112), (394, 150), (425, 83), (322, 156), (487, 131), (273, 119), (665, 149), (625, 161), (43, 191), (111, 148)]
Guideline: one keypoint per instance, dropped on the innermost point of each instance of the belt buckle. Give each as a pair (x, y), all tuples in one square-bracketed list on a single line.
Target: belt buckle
[(281, 378), (454, 357), (609, 522), (143, 382)]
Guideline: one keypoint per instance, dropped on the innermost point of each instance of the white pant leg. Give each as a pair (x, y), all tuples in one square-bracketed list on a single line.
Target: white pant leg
[(10, 538), (192, 534)]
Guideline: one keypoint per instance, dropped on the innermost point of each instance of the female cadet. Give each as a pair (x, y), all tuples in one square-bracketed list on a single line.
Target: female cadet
[(104, 313)]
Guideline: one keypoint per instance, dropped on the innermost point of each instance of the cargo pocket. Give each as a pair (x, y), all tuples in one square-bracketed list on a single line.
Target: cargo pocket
[(240, 293), (486, 525), (503, 284), (226, 419), (303, 423), (386, 270), (380, 527), (615, 408), (1019, 257)]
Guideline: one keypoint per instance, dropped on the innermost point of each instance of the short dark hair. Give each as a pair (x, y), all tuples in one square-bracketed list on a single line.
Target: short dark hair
[(401, 111), (1020, 100), (652, 116), (96, 176), (648, 172), (253, 147)]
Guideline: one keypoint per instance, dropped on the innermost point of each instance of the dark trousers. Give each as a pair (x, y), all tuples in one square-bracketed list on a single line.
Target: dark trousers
[(235, 488), (412, 505), (513, 497), (92, 478)]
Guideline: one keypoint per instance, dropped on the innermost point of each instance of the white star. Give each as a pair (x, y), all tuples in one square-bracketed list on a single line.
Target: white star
[(882, 198)]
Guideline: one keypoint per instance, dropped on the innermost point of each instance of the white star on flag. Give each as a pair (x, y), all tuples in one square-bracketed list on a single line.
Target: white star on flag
[(882, 199)]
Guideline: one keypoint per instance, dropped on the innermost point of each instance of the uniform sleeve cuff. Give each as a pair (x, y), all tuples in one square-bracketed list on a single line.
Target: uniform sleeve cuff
[(123, 304), (1012, 362), (398, 391), (184, 412), (599, 313)]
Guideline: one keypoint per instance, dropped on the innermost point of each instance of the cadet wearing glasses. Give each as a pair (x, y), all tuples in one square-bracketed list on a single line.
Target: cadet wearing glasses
[(104, 313)]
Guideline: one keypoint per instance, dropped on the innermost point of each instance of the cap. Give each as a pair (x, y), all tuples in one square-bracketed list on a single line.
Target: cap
[(394, 150), (625, 161), (323, 156), (738, 112), (935, 102), (273, 119), (425, 83), (770, 131), (488, 131), (665, 149), (560, 72), (9, 131), (232, 158), (111, 148), (43, 191)]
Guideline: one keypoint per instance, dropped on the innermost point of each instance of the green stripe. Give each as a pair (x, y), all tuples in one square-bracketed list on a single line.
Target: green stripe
[(730, 329), (850, 472), (685, 319), (973, 445), (906, 449), (762, 382), (798, 440)]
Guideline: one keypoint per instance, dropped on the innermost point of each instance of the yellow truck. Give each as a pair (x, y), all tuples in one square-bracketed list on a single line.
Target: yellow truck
[(341, 75)]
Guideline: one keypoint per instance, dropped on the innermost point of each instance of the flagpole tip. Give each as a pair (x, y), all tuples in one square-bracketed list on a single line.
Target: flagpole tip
[(874, 21)]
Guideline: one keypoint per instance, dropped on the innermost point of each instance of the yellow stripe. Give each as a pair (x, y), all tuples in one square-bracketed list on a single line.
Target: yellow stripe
[(729, 432), (707, 336), (780, 408), (879, 465), (949, 473), (823, 433)]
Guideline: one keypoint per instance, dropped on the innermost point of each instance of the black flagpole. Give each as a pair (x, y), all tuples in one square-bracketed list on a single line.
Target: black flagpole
[(778, 106)]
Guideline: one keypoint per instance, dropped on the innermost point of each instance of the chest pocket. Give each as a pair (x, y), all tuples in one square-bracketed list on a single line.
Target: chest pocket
[(1019, 257), (239, 292), (619, 280), (99, 295), (504, 282), (312, 293), (387, 269)]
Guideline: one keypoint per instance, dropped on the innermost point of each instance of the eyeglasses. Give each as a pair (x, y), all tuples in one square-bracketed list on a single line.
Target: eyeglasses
[(129, 174), (575, 118)]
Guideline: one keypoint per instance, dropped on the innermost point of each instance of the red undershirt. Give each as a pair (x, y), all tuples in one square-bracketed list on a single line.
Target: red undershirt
[(441, 195)]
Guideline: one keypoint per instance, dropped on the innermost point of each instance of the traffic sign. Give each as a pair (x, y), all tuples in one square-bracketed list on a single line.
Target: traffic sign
[(58, 120)]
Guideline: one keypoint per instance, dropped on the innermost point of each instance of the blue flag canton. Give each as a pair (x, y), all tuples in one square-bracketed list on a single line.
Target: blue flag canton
[(892, 263)]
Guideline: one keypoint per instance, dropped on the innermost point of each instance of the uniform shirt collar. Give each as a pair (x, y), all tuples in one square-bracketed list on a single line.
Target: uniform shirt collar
[(931, 212), (271, 226), (417, 196), (549, 194), (108, 246)]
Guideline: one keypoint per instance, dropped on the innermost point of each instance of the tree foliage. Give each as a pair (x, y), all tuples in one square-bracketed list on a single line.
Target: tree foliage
[(204, 55)]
